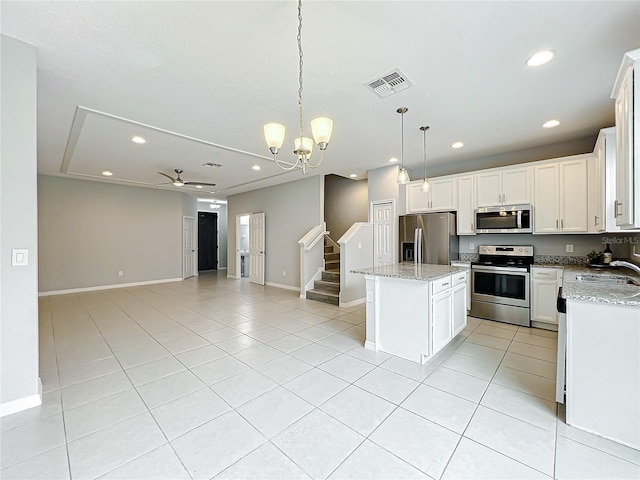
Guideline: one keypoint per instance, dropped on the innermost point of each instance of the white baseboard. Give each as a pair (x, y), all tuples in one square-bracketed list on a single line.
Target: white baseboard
[(370, 346), (280, 285), (20, 404), (108, 287), (359, 301)]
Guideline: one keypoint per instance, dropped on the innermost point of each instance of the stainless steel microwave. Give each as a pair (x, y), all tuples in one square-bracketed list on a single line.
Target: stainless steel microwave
[(505, 219)]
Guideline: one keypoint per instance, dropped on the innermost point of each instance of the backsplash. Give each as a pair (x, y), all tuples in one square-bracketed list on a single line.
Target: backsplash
[(468, 257)]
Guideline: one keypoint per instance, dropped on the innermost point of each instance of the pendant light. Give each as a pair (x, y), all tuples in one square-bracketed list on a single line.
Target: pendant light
[(425, 183), (403, 175), (321, 127)]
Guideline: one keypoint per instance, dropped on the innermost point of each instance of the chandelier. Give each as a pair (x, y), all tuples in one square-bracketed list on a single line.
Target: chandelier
[(321, 127)]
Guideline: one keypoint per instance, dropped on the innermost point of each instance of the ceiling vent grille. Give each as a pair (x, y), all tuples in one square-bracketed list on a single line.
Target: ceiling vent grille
[(211, 164), (388, 84)]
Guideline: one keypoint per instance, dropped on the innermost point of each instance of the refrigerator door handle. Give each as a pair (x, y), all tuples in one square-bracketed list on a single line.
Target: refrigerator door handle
[(415, 246), (419, 245)]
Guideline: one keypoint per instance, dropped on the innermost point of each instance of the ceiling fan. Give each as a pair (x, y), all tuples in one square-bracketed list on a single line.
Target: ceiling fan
[(178, 182)]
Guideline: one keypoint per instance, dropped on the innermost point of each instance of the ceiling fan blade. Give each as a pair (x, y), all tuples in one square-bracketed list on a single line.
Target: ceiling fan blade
[(204, 184), (170, 178)]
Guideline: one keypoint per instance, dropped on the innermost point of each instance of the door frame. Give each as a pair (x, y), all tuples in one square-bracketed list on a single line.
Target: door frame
[(394, 230), (194, 245), (238, 270)]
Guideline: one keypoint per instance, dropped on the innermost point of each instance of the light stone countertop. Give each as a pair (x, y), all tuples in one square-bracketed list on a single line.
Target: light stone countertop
[(573, 289), (410, 271)]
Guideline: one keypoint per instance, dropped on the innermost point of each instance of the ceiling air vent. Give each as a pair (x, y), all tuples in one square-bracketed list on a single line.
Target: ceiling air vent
[(211, 164), (386, 85)]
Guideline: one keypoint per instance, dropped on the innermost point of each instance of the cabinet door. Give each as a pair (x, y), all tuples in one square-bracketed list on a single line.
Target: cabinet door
[(543, 300), (624, 151), (466, 206), (441, 314), (573, 196), (546, 212), (443, 194), (488, 189), (459, 308), (595, 187), (516, 186), (417, 200)]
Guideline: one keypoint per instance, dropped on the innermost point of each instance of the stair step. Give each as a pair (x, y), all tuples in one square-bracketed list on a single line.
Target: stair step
[(332, 265), (328, 249), (322, 296), (329, 257), (326, 286), (331, 276)]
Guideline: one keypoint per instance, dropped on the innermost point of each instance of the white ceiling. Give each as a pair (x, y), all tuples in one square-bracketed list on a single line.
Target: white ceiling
[(199, 80)]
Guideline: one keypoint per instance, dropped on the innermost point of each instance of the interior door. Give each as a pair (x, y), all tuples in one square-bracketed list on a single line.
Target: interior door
[(256, 248), (188, 247), (207, 241), (382, 234)]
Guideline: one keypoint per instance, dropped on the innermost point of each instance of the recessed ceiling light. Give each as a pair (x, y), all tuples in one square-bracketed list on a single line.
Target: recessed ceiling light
[(198, 186), (256, 167), (138, 139), (551, 123), (540, 58), (107, 173), (353, 175), (457, 145), (393, 160), (214, 205)]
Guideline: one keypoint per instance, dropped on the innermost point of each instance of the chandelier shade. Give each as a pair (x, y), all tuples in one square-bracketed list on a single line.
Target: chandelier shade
[(274, 135)]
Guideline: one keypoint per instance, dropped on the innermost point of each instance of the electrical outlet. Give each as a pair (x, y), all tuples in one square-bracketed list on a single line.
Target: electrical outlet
[(569, 248), (472, 246), (120, 273), (284, 273)]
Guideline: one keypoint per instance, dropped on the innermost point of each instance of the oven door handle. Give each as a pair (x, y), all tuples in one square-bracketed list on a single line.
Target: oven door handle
[(517, 271)]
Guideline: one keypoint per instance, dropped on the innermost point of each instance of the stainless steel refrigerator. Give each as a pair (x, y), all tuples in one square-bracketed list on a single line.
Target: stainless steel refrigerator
[(428, 238)]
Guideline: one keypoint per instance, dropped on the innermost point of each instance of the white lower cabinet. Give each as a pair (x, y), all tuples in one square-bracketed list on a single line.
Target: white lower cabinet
[(545, 283), (460, 306), (448, 309), (441, 316)]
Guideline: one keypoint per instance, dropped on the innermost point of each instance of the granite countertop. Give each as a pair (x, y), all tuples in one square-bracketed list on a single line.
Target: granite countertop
[(573, 289), (410, 271)]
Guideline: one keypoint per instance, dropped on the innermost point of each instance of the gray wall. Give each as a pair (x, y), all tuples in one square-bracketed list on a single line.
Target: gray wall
[(18, 211), (555, 244), (291, 210), (90, 230), (345, 203), (382, 185)]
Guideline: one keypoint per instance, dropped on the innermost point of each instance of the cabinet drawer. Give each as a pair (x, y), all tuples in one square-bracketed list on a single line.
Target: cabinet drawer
[(459, 278), (547, 273), (440, 285)]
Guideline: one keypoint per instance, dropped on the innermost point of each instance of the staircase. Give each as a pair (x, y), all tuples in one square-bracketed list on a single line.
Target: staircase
[(327, 289)]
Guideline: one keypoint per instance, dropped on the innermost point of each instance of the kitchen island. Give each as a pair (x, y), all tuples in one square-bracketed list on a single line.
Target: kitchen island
[(414, 310), (602, 353)]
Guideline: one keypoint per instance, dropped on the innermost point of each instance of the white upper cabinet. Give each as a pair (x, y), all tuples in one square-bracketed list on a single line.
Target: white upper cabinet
[(440, 197), (504, 186), (560, 197), (595, 201), (627, 196), (466, 205)]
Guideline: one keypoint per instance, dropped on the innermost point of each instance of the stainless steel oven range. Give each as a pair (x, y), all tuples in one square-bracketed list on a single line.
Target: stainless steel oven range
[(500, 283)]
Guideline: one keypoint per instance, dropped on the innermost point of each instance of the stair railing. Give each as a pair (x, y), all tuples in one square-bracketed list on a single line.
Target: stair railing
[(311, 257)]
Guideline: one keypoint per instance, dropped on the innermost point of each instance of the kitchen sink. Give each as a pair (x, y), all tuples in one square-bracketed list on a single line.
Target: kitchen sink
[(606, 280)]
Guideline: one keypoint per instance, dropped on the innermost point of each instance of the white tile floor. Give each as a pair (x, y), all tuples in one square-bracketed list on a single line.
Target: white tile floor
[(218, 378)]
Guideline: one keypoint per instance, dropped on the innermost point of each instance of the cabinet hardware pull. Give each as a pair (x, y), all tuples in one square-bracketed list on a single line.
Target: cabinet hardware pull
[(595, 220), (556, 223), (562, 223)]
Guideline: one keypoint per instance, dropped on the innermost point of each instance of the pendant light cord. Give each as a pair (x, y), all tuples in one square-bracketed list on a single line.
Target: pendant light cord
[(424, 146), (402, 141)]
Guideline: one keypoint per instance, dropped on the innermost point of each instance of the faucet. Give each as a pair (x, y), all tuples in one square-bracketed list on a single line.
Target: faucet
[(620, 263)]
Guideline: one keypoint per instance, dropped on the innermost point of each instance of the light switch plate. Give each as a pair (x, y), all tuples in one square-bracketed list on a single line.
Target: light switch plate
[(19, 257)]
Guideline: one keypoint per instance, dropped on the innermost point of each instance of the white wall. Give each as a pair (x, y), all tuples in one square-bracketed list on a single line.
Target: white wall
[(291, 210), (90, 230), (18, 225), (356, 251)]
